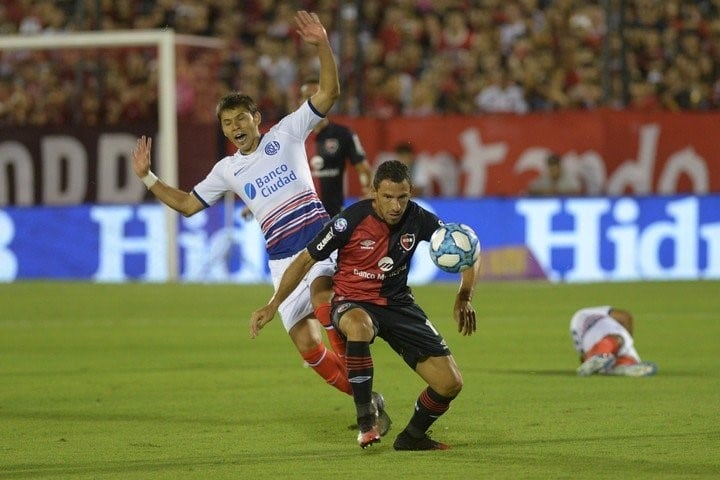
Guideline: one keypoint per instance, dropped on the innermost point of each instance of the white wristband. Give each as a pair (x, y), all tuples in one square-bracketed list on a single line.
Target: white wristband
[(150, 179)]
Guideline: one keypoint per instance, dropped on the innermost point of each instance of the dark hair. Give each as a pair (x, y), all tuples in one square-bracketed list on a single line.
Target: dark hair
[(404, 147), (553, 158), (393, 170), (234, 100)]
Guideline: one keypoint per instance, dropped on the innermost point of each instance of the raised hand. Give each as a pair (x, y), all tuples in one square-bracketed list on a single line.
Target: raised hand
[(310, 28), (141, 156)]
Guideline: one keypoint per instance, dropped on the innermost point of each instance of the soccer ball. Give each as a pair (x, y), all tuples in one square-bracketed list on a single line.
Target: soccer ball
[(454, 247)]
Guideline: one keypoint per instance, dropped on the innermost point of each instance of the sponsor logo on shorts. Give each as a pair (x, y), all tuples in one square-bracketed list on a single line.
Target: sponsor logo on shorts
[(343, 308)]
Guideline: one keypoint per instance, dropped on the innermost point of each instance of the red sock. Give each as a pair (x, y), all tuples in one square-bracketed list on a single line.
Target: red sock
[(609, 344), (327, 364), (322, 313), (625, 360)]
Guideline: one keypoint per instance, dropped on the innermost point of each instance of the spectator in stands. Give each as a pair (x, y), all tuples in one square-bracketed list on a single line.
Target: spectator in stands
[(405, 152), (552, 51), (554, 181), (501, 94)]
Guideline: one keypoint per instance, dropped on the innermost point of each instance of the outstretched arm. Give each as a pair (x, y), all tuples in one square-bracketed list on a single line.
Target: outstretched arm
[(295, 272), (313, 32), (174, 198), (463, 311), (365, 176)]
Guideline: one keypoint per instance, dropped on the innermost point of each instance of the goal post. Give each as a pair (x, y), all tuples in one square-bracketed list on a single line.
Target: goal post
[(164, 41)]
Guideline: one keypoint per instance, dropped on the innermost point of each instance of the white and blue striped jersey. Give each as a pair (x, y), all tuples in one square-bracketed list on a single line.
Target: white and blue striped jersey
[(275, 182)]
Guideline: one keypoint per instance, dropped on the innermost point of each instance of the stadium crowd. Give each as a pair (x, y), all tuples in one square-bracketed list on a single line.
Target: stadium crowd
[(405, 57)]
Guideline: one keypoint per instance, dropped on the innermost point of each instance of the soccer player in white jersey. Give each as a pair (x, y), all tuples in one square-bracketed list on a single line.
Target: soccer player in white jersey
[(603, 338), (270, 174)]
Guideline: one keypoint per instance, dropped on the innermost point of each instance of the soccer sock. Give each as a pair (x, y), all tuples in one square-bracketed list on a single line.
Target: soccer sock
[(625, 360), (360, 375), (429, 406), (609, 344), (329, 367), (322, 313)]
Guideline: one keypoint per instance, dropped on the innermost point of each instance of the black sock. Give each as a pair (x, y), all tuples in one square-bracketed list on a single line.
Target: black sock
[(360, 374), (429, 406)]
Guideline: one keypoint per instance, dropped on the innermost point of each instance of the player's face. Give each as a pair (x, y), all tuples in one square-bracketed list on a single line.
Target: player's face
[(391, 200), (241, 128)]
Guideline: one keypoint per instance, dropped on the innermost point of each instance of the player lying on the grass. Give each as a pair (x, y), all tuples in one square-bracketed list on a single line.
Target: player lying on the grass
[(289, 216), (603, 338), (375, 240)]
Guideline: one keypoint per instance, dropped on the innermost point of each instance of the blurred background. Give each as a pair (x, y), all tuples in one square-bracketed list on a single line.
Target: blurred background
[(626, 93)]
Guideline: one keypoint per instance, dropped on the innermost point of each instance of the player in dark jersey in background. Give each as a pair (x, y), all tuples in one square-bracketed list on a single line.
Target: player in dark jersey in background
[(375, 240), (330, 146)]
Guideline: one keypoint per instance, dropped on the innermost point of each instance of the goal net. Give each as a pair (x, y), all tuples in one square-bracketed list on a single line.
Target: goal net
[(170, 55)]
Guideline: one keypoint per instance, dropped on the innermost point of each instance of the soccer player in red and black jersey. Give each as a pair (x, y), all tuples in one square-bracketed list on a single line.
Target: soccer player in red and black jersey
[(375, 240)]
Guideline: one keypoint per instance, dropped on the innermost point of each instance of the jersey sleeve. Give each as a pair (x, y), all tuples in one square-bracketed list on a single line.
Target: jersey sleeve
[(357, 152), (333, 236), (212, 187), (429, 223), (300, 123)]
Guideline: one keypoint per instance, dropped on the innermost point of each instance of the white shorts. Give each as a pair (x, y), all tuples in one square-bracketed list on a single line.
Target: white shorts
[(590, 325), (298, 305)]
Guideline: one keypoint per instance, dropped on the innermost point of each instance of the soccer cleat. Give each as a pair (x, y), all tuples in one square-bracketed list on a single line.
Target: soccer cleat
[(596, 364), (383, 421), (642, 369), (405, 441), (365, 439)]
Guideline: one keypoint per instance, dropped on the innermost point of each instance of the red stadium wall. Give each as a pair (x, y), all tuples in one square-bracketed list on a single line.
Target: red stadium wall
[(612, 152)]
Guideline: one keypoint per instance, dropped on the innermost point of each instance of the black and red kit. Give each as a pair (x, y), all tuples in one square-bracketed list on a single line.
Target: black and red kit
[(334, 145), (373, 257)]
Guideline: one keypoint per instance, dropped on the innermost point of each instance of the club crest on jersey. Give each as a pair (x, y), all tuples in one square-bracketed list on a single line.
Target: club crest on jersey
[(407, 241), (331, 145), (272, 148), (340, 225)]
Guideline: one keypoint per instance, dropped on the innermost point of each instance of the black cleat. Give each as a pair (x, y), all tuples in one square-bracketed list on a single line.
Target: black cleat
[(383, 421), (405, 441)]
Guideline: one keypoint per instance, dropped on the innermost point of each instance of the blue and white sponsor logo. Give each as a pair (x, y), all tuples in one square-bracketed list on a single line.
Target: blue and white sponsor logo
[(274, 180), (250, 191), (340, 225), (272, 148)]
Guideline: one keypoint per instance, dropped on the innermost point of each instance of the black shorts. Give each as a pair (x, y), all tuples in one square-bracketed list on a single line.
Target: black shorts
[(405, 328)]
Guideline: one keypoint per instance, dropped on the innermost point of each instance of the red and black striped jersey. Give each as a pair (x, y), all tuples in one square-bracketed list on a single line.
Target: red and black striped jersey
[(373, 257)]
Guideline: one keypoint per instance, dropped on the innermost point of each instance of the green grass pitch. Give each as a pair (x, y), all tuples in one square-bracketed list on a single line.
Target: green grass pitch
[(148, 381)]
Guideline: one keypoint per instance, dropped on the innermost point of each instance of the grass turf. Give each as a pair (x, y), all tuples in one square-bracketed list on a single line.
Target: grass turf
[(148, 381)]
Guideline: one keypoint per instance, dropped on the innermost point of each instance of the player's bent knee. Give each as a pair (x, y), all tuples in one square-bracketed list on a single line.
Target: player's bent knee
[(305, 337)]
